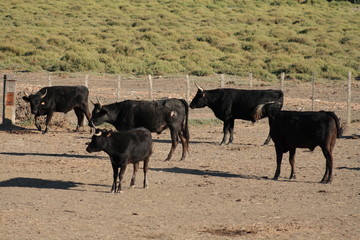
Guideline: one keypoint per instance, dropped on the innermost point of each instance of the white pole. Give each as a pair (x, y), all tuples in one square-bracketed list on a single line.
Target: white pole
[(86, 80), (187, 88), (222, 82), (49, 81), (118, 88), (313, 93), (251, 80), (150, 88), (349, 99)]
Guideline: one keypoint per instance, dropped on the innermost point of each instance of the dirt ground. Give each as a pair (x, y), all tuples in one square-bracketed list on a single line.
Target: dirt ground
[(51, 188)]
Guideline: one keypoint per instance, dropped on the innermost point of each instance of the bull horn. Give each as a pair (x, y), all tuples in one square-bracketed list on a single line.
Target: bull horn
[(98, 101), (98, 134), (26, 94), (91, 101), (42, 96), (200, 88)]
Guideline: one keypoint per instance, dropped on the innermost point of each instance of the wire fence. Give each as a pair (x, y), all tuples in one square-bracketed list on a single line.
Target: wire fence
[(322, 94)]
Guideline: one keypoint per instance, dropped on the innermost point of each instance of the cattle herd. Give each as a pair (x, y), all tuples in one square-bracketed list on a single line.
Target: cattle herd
[(135, 120)]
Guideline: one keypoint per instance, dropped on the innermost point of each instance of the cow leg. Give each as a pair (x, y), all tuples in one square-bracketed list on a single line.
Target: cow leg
[(136, 167), (174, 143), (121, 176), (146, 167), (184, 144), (115, 175), (231, 130), (279, 155), (37, 123), (267, 140), (329, 165), (225, 131), (48, 120), (85, 109), (292, 163), (80, 116)]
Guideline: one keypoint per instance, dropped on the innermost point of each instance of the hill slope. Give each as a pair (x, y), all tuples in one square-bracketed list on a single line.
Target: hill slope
[(199, 37)]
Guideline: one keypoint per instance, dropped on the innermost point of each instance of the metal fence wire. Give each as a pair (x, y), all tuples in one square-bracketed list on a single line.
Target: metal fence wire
[(322, 94)]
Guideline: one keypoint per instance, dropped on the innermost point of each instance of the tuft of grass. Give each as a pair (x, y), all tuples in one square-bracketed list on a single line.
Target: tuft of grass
[(201, 122)]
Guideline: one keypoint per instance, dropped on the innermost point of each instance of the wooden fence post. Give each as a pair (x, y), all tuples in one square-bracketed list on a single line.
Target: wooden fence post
[(86, 80), (251, 80), (187, 88), (9, 98), (282, 82), (150, 87), (222, 82), (49, 81), (118, 88), (313, 92), (349, 99)]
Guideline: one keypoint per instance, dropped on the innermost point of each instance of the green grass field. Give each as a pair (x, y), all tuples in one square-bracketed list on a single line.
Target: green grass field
[(203, 37)]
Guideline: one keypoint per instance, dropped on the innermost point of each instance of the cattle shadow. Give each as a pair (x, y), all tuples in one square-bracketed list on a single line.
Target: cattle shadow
[(191, 142), (7, 125), (349, 168), (208, 142), (199, 172), (39, 183), (51, 155), (45, 184)]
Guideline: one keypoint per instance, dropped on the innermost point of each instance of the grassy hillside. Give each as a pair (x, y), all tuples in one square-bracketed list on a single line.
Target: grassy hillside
[(201, 37)]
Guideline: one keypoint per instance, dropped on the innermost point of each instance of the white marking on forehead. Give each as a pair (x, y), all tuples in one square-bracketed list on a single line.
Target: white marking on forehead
[(173, 114)]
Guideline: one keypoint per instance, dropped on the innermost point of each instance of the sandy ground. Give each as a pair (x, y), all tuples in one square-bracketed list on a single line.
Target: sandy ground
[(51, 188)]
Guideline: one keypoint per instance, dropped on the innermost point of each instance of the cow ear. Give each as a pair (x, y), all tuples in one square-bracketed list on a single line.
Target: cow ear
[(26, 98)]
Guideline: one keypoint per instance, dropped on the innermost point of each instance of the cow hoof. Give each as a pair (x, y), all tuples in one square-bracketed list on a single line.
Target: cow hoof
[(325, 181)]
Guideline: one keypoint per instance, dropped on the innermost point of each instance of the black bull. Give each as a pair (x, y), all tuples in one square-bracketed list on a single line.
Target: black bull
[(156, 116), (125, 147), (230, 104), (59, 99), (290, 130)]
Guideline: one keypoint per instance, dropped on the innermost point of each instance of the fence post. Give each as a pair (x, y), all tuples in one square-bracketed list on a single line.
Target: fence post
[(118, 88), (251, 80), (49, 81), (187, 88), (222, 82), (282, 82), (9, 99), (86, 80), (349, 99), (150, 87), (313, 92)]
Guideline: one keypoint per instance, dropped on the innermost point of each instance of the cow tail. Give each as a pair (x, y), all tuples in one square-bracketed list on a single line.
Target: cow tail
[(258, 112), (339, 127), (186, 127)]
